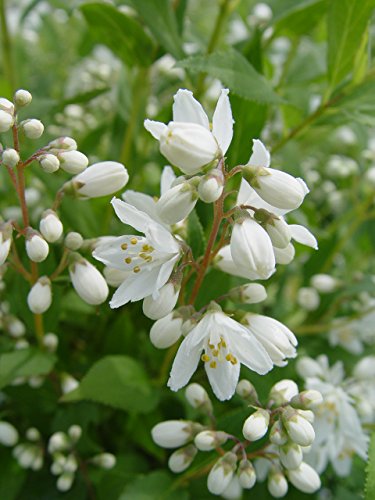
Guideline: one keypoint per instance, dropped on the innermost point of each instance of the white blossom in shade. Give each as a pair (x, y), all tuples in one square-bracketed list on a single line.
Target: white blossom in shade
[(299, 429), (22, 98), (197, 397), (365, 368), (221, 473), (39, 298), (28, 456), (226, 344), (304, 478), (162, 305), (324, 283), (177, 203), (37, 248), (6, 121), (88, 282), (279, 232), (251, 248), (15, 327), (104, 460), (10, 157), (174, 433), (285, 255), (256, 426), (291, 455), (150, 258), (278, 435), (347, 335), (68, 383), (308, 298), (33, 129), (225, 263), (234, 489), (283, 391), (49, 163), (181, 459), (209, 440), (252, 293), (279, 342), (73, 162), (6, 230), (59, 441), (188, 141), (246, 390), (8, 434), (308, 399), (277, 484), (50, 226), (73, 241), (50, 341), (100, 179), (246, 474), (65, 481), (166, 331), (211, 186), (114, 277)]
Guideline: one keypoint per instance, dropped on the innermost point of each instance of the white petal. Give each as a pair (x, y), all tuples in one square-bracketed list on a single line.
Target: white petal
[(184, 365), (161, 239), (164, 274), (131, 215), (222, 122), (143, 202), (250, 352), (111, 253), (167, 177), (248, 196), (260, 157), (188, 109), (303, 236), (135, 287), (155, 128), (223, 379)]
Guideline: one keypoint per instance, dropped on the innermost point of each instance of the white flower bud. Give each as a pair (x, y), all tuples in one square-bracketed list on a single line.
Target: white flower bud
[(36, 247), (164, 304), (277, 484), (32, 434), (283, 391), (285, 255), (5, 241), (65, 481), (173, 433), (58, 442), (6, 121), (49, 163), (262, 13), (21, 344), (324, 283), (256, 426), (22, 98), (197, 397), (68, 383), (101, 179), (75, 432), (50, 342), (370, 176), (16, 328), (88, 282), (291, 455), (40, 296), (73, 162), (71, 464), (181, 459), (246, 390), (104, 460), (251, 248), (10, 157), (8, 434), (114, 277), (211, 186), (73, 241), (304, 478), (308, 298), (65, 143), (252, 293), (234, 490), (209, 440), (50, 226), (33, 129), (365, 368), (26, 455), (177, 203), (36, 381), (298, 428), (278, 434), (166, 331), (6, 105), (307, 399), (221, 474), (246, 474), (279, 232), (307, 414)]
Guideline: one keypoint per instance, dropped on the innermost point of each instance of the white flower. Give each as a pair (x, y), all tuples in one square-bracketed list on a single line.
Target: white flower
[(285, 255), (6, 105), (68, 383), (197, 396), (234, 489), (324, 283), (104, 460), (49, 163), (181, 459), (308, 298), (211, 186), (365, 368), (279, 232), (209, 440), (50, 226), (40, 296), (150, 258), (114, 277), (177, 203), (65, 481), (226, 344), (278, 435), (283, 391), (8, 434), (166, 331), (100, 179), (246, 474), (291, 455), (22, 98), (221, 473), (50, 342), (298, 428), (36, 247), (73, 162), (173, 433), (256, 426), (162, 305), (304, 478), (88, 282), (73, 241), (65, 143), (5, 241), (277, 484), (33, 129), (276, 338), (187, 141), (10, 157), (6, 121)]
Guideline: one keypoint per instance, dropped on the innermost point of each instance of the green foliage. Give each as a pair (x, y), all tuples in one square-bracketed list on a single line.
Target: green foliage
[(370, 471), (157, 485), (24, 363), (195, 237)]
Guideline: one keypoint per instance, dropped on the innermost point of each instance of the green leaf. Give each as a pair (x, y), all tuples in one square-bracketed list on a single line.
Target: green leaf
[(347, 23), (24, 363), (235, 72), (119, 32), (358, 106), (370, 471), (161, 21), (117, 381), (196, 238), (157, 485), (299, 17)]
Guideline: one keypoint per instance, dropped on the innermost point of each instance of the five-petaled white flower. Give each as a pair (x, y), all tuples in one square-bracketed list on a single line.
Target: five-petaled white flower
[(226, 344), (150, 258)]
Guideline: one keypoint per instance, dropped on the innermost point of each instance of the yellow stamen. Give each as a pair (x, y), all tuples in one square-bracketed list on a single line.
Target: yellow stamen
[(128, 260), (213, 364), (136, 269), (124, 246), (205, 358), (134, 241), (215, 353)]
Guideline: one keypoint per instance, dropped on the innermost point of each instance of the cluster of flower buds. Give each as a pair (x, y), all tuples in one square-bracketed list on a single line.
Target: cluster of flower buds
[(29, 454)]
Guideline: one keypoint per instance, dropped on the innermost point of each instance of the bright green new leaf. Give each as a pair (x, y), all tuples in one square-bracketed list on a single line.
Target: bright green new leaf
[(370, 478), (24, 363)]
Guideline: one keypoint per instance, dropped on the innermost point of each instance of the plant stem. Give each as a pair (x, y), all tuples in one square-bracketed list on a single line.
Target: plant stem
[(9, 71)]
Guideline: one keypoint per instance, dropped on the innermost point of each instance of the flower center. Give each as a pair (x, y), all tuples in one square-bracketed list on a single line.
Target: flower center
[(218, 353), (137, 252)]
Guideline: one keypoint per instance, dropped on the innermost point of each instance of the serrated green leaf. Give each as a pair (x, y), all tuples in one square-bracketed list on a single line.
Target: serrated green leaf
[(119, 32), (299, 17), (117, 381), (370, 471), (24, 363), (347, 21), (359, 105), (235, 72), (196, 238)]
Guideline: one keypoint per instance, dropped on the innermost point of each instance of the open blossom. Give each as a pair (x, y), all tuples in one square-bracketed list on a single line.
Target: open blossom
[(188, 141), (5, 241), (150, 258), (226, 344)]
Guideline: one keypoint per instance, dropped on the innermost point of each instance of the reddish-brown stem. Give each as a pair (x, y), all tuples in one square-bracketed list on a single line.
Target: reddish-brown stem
[(18, 264), (12, 175), (21, 195), (58, 199)]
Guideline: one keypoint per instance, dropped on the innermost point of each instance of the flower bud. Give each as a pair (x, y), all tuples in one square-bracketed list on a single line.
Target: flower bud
[(246, 390), (65, 481), (256, 426), (283, 391), (6, 230), (104, 460), (278, 434), (285, 255), (181, 459), (75, 432), (246, 474), (234, 490), (58, 442), (73, 162), (365, 368), (73, 241), (33, 129), (197, 397), (221, 473), (324, 283), (65, 143), (22, 98), (308, 298), (6, 121), (177, 203), (8, 434), (307, 399), (279, 232), (307, 414), (291, 455), (164, 304), (32, 434), (49, 163), (298, 428), (304, 478), (6, 105), (87, 281), (16, 328), (36, 247), (211, 186), (174, 433), (10, 157), (166, 331), (50, 226), (68, 383), (209, 440), (101, 179), (252, 293), (40, 296), (277, 484)]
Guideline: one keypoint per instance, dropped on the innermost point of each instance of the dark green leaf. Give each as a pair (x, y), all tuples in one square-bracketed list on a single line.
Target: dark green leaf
[(156, 485), (359, 105), (299, 17), (196, 238), (24, 363)]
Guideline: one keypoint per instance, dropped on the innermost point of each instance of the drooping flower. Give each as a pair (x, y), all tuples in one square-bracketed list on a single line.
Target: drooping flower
[(150, 258)]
